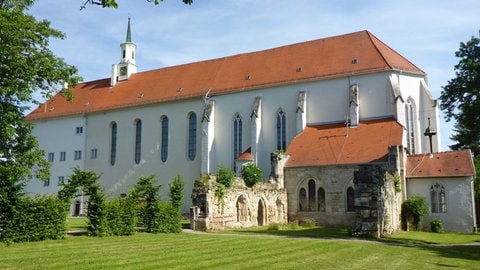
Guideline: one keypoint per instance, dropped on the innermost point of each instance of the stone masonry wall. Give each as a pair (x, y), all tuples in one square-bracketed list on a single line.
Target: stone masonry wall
[(263, 204)]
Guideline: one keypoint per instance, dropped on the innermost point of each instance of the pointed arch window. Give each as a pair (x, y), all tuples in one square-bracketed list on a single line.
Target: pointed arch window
[(438, 198), (281, 131), (164, 139), (302, 200), (350, 200), (410, 125), (321, 199), (113, 143), (192, 135), (237, 135), (311, 195), (138, 140)]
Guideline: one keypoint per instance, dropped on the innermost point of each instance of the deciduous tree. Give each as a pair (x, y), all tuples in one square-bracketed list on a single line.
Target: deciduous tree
[(27, 66), (461, 97)]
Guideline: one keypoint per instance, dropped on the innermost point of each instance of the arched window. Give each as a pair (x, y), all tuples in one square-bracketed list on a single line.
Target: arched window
[(237, 135), (438, 198), (311, 195), (302, 200), (410, 126), (192, 135), (350, 200), (281, 131), (164, 140), (113, 143), (138, 140), (321, 199)]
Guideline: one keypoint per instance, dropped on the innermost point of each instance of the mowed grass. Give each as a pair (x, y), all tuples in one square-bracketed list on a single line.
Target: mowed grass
[(253, 250)]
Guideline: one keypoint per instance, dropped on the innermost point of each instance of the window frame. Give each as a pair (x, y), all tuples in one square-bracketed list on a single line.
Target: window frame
[(113, 142), (281, 130), (164, 138), (192, 136), (77, 155), (138, 141)]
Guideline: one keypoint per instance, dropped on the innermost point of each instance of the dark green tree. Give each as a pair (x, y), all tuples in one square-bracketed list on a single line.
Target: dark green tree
[(27, 66), (176, 192), (461, 97)]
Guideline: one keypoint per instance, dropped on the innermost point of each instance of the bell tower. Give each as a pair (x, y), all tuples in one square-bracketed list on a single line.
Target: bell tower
[(127, 65)]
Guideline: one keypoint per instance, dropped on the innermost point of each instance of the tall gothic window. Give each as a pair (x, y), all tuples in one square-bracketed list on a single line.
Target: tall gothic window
[(113, 143), (164, 140), (138, 140), (237, 135), (302, 200), (410, 126), (437, 198), (321, 199), (192, 135), (311, 196), (281, 131), (350, 200)]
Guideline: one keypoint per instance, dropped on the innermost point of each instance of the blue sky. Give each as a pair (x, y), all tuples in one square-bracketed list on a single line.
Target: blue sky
[(426, 32)]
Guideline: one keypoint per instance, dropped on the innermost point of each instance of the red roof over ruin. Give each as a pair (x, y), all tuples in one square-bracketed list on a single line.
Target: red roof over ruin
[(334, 144)]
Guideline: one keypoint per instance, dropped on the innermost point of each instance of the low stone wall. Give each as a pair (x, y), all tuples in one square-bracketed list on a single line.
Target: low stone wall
[(241, 207)]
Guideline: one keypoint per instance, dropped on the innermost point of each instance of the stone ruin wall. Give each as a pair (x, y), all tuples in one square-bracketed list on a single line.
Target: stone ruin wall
[(263, 204)]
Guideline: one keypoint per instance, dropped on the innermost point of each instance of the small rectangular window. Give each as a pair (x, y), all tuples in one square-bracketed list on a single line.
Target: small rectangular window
[(94, 153), (63, 156), (79, 130), (51, 157), (61, 180), (46, 183), (78, 155)]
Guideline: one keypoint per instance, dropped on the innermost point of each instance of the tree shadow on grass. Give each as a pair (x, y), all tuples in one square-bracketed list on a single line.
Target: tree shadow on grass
[(316, 232)]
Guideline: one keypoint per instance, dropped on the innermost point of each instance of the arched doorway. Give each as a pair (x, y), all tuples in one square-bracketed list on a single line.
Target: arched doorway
[(262, 213)]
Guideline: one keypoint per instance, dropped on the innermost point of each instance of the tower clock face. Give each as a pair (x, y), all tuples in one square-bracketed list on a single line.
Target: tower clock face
[(123, 71)]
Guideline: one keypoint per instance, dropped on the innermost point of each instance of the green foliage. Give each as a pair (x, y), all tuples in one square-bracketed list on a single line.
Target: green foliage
[(220, 191), (27, 67), (121, 217), (414, 209), (460, 98), (176, 191), (155, 215), (36, 219), (436, 225), (397, 183), (169, 220), (251, 174), (225, 176)]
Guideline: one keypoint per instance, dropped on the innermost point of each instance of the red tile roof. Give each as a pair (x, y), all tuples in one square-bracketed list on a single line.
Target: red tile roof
[(349, 54), (331, 145), (247, 155), (442, 164)]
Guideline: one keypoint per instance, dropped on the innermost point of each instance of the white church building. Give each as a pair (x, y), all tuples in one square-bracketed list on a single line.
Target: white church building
[(303, 99)]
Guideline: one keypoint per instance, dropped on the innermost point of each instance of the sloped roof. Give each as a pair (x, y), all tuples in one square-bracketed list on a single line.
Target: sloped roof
[(246, 155), (441, 164), (349, 54), (333, 144)]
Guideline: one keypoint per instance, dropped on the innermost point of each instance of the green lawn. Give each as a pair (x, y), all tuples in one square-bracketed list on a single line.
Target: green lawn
[(246, 250)]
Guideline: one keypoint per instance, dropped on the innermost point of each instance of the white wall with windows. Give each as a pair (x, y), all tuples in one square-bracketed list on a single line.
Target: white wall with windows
[(455, 208), (63, 140)]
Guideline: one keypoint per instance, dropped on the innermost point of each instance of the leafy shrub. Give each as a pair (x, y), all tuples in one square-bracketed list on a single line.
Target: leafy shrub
[(251, 174), (414, 209), (96, 211), (169, 220), (225, 176), (436, 225), (121, 216), (176, 191), (36, 219)]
